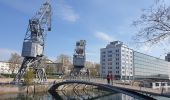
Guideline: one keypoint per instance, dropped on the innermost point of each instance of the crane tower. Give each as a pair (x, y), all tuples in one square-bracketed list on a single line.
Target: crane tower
[(33, 45), (79, 56)]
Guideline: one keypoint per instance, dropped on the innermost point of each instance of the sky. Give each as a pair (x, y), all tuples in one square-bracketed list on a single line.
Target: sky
[(96, 21)]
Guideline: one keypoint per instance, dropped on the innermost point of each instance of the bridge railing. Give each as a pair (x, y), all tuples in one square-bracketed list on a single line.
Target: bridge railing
[(85, 78), (116, 83)]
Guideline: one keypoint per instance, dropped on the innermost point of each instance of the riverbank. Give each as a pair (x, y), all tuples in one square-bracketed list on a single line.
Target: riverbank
[(8, 80), (6, 88), (10, 89)]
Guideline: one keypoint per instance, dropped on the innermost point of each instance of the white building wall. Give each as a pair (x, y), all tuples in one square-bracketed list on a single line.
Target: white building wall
[(117, 59)]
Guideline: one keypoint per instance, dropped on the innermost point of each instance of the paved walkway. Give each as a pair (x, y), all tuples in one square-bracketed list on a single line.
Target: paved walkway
[(129, 87)]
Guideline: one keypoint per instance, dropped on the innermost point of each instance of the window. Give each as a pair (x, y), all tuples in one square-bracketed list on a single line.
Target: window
[(168, 83), (117, 72), (109, 71), (117, 54), (117, 50), (162, 84), (117, 63), (103, 52), (109, 55), (157, 84), (109, 59), (110, 63), (117, 59), (109, 51)]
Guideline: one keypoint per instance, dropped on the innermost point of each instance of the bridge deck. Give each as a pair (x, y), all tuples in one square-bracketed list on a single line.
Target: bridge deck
[(135, 88), (100, 84)]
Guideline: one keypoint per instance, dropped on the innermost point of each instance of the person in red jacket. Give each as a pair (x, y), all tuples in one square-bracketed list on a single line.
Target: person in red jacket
[(108, 79), (111, 79)]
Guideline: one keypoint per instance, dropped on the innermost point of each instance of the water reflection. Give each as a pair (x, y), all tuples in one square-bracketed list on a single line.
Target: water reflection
[(72, 95), (90, 95), (24, 96)]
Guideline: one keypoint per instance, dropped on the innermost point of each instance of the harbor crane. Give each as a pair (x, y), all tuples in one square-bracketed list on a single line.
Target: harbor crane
[(33, 45), (79, 57)]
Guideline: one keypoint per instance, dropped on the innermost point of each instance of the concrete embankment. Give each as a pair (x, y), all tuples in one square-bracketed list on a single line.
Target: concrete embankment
[(6, 88)]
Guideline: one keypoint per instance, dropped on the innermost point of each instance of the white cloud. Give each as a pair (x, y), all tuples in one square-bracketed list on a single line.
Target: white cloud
[(104, 36), (5, 53), (66, 12)]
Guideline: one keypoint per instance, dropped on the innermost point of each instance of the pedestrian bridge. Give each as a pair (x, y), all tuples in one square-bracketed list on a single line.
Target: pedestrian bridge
[(100, 85)]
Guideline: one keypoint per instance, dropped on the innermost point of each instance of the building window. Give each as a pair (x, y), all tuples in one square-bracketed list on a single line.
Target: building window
[(103, 52), (157, 84), (117, 54), (117, 63), (109, 71), (109, 55), (117, 59), (103, 59), (109, 59), (168, 83), (117, 72), (117, 50), (110, 63), (109, 51), (162, 84)]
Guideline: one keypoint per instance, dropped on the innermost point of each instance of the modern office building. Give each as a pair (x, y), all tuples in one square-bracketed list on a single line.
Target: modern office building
[(127, 64), (117, 59), (149, 67)]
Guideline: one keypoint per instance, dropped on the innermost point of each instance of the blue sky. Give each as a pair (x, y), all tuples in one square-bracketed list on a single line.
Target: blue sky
[(96, 21)]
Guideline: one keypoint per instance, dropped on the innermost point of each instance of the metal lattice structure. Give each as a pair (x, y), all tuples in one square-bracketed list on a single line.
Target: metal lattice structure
[(79, 57), (33, 45)]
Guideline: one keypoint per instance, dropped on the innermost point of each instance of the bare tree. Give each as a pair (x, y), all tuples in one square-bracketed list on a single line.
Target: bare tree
[(65, 60), (14, 62), (154, 24), (94, 68), (97, 67)]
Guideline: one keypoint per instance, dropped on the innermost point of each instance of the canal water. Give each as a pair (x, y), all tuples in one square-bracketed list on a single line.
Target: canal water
[(73, 95)]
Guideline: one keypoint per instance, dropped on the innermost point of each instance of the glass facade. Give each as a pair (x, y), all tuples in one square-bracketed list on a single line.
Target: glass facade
[(146, 66)]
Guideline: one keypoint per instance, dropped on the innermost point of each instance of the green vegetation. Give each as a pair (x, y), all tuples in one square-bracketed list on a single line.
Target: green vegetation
[(28, 77)]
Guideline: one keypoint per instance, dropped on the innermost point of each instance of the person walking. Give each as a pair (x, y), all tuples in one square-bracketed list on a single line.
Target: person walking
[(108, 79), (111, 79)]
